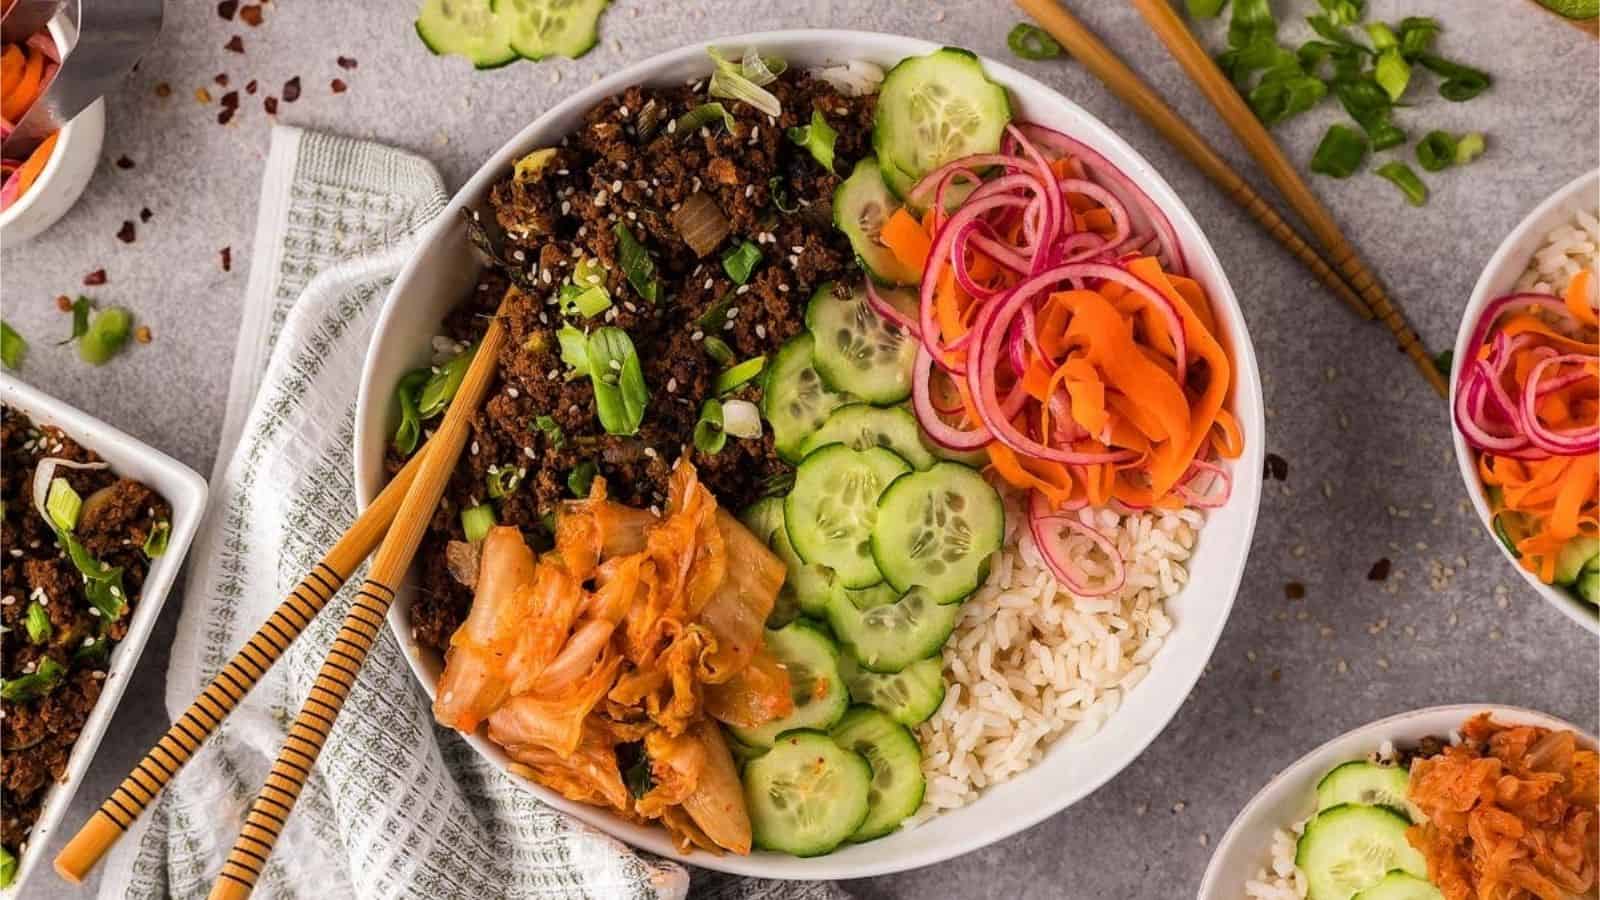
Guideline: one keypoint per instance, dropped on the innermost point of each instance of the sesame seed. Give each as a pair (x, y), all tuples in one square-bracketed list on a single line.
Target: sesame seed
[(749, 190), (698, 335), (743, 289), (783, 289), (672, 385), (798, 248), (622, 111), (474, 448), (650, 452), (761, 331), (616, 187), (528, 452), (709, 283), (672, 126)]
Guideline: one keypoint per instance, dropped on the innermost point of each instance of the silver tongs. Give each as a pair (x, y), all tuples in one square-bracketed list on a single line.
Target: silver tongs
[(111, 36)]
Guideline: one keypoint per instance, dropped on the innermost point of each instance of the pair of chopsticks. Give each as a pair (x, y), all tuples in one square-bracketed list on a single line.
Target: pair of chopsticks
[(1342, 271), (394, 525)]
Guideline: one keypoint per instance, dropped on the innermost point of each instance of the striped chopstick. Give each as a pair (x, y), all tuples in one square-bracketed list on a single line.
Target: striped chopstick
[(1132, 90), (1270, 157), (229, 687), (269, 813)]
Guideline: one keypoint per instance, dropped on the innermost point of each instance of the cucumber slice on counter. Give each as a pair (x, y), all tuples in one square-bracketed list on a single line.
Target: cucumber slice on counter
[(469, 28), (542, 28), (909, 696), (794, 400), (936, 530), (857, 351), (933, 109), (820, 696), (886, 631), (861, 205), (1398, 885), (862, 425), (1349, 848), (833, 506), (1365, 783), (807, 794), (896, 761)]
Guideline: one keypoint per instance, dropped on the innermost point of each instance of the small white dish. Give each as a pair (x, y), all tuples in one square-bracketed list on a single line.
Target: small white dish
[(185, 490), (443, 269), (1498, 279), (1292, 796), (68, 171)]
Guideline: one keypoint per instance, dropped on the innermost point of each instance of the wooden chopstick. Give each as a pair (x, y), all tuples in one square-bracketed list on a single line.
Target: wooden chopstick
[(1270, 157), (218, 699), (267, 815), (1132, 90)]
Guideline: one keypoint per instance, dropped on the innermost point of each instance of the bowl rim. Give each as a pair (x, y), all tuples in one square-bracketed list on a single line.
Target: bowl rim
[(186, 491), (60, 32), (1375, 733), (1246, 394), (1502, 270)]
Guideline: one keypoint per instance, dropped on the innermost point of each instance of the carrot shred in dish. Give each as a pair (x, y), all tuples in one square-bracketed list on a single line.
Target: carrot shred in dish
[(25, 71), (1510, 813)]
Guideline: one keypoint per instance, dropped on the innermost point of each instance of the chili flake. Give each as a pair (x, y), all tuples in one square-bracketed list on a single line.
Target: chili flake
[(235, 43), (226, 115), (250, 87), (338, 86), (250, 14), (222, 79), (123, 162), (145, 214), (63, 303), (1379, 570), (347, 62), (227, 259), (1294, 590), (203, 95), (95, 278), (291, 90), (125, 234), (142, 334), (271, 105), (230, 100), (163, 89), (227, 8), (1277, 468)]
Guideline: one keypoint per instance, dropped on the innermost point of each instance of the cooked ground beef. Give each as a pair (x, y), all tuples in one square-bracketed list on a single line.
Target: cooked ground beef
[(37, 734), (606, 175)]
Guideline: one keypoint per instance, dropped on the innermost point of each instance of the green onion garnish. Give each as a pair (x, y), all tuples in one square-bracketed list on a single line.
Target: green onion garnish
[(1406, 180), (1031, 41), (708, 434), (1341, 152), (620, 393), (63, 504), (1416, 35), (409, 431), (108, 332), (1437, 151), (551, 430), (36, 684), (442, 385), (1204, 9), (744, 81), (1460, 82), (1343, 12), (716, 315), (94, 651), (1284, 92), (1469, 147), (581, 479), (817, 138), (1443, 361), (155, 543), (739, 374), (476, 522), (533, 164), (8, 867), (503, 480), (574, 349), (1392, 73), (780, 196), (701, 116), (13, 346), (1383, 37), (37, 622), (740, 261), (718, 350), (80, 320), (589, 301), (637, 264)]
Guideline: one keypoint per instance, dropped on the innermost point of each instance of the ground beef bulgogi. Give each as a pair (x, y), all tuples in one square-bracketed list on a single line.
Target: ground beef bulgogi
[(118, 514), (628, 165)]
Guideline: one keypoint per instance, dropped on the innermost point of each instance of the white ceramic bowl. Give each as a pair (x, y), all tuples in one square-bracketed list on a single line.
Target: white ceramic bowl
[(71, 165), (443, 271), (1498, 279), (1292, 796), (186, 491)]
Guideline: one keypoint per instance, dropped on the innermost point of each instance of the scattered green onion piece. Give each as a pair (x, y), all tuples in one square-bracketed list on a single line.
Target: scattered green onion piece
[(36, 684), (1032, 43), (1469, 147), (95, 651), (1392, 73), (409, 432), (1437, 151), (1340, 153), (1331, 31), (63, 504), (716, 315), (108, 332), (80, 320), (574, 348), (1406, 180), (1343, 12), (740, 374), (1444, 361), (37, 622), (589, 272), (1416, 35), (779, 195), (8, 867), (708, 434), (733, 81), (1383, 37), (701, 116), (817, 138), (1205, 9), (102, 584), (155, 543), (442, 385), (637, 264), (620, 393), (13, 346), (503, 480), (1284, 92), (581, 301), (1460, 82), (718, 350), (1252, 22), (476, 522), (581, 479), (740, 261), (551, 430)]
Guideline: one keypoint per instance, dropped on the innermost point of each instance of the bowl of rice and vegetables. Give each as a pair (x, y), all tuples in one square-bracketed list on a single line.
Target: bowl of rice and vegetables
[(836, 505)]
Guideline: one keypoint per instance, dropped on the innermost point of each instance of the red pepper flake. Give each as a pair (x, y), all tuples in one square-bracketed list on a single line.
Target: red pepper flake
[(202, 95), (291, 90), (251, 15), (235, 43), (1277, 675), (271, 105), (95, 278), (145, 214), (226, 115), (222, 79), (347, 62), (1294, 590), (227, 8), (123, 162), (230, 100), (125, 234), (163, 89), (63, 303), (227, 259), (338, 86), (1277, 468), (1379, 570), (142, 334), (250, 87)]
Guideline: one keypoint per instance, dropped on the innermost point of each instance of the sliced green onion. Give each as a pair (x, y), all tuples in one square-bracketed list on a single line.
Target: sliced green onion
[(1340, 153), (581, 301), (1460, 82), (701, 116), (637, 264), (442, 385), (80, 320), (620, 393), (63, 504), (1031, 42), (108, 332), (1469, 148), (1416, 35), (102, 584), (589, 272), (708, 434), (740, 261), (1406, 180), (1392, 73), (718, 350), (551, 430), (13, 346), (731, 81), (1203, 9), (574, 349), (1331, 31), (37, 622), (8, 867), (741, 419), (716, 315), (779, 195), (1383, 37), (739, 374), (817, 138), (1343, 12), (1284, 92), (581, 479), (503, 480), (476, 522), (1437, 151), (155, 543), (95, 651), (409, 431), (38, 683), (1444, 361), (531, 165)]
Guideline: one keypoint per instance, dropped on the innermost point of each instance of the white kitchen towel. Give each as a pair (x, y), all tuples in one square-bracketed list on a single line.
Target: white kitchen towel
[(396, 806)]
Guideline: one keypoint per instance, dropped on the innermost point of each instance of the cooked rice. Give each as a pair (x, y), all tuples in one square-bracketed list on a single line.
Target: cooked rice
[(1281, 880), (1566, 249), (1029, 663)]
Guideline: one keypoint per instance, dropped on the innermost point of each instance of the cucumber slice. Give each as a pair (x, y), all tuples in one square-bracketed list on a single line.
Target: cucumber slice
[(1398, 885), (793, 399), (806, 795), (933, 109), (469, 28), (886, 631), (896, 762), (1588, 586), (861, 205), (1352, 847), (541, 28), (831, 510), (858, 351), (1365, 783), (909, 696), (764, 518), (862, 425), (1573, 559), (820, 697), (936, 530)]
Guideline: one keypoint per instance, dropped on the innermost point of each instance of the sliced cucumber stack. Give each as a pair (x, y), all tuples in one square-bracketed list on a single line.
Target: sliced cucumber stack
[(470, 28), (543, 28), (862, 425), (1366, 783), (833, 507), (896, 761), (886, 631), (908, 696), (1349, 848), (857, 351), (1399, 885), (936, 530), (861, 205), (933, 109), (820, 696), (806, 588), (806, 795), (794, 400)]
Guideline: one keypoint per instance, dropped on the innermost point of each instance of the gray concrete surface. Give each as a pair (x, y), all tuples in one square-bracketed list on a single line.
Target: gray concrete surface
[(1367, 442)]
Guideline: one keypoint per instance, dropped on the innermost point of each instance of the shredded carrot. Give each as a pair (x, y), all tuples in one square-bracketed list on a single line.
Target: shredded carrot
[(30, 169), (1577, 298), (906, 239), (17, 95)]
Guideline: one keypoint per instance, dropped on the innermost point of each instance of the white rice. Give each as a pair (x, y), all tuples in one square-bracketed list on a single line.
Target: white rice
[(1566, 249), (1029, 662)]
